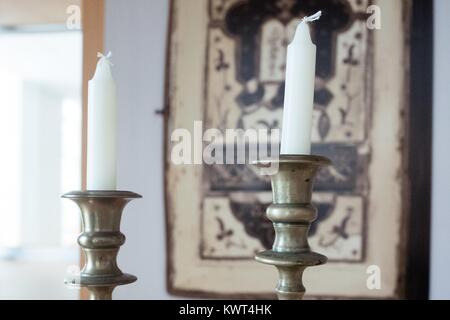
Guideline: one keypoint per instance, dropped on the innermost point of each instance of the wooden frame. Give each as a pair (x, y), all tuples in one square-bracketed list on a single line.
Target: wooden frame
[(413, 284), (93, 22), (93, 12)]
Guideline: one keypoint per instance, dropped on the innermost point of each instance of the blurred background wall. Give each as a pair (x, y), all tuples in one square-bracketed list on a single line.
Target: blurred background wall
[(440, 235), (136, 34)]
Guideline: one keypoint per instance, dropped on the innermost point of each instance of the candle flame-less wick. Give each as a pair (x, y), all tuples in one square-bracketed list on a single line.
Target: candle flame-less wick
[(106, 57), (302, 34), (314, 17)]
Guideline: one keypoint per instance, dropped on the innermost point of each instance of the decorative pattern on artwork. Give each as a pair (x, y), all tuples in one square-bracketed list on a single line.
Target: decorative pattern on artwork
[(247, 43)]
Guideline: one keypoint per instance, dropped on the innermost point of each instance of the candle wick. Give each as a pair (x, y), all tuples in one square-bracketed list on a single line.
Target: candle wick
[(314, 17), (105, 58)]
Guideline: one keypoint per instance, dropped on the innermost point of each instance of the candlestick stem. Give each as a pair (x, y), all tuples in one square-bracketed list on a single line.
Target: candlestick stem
[(100, 240), (292, 214)]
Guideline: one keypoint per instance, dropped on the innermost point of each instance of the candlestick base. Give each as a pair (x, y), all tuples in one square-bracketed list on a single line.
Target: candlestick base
[(292, 214), (100, 240)]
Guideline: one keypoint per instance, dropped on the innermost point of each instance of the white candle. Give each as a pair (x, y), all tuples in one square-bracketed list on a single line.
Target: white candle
[(102, 123), (299, 91)]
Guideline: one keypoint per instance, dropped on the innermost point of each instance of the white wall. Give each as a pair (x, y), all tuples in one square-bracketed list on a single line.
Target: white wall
[(440, 246), (136, 34)]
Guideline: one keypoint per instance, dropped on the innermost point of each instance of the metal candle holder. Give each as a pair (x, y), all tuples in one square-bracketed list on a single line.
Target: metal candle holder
[(100, 240), (292, 214)]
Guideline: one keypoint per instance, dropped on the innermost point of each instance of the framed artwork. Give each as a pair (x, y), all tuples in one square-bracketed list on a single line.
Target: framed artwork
[(226, 68)]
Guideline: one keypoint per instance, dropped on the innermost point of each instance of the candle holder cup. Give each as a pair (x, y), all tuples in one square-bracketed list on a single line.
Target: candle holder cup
[(292, 214), (100, 240)]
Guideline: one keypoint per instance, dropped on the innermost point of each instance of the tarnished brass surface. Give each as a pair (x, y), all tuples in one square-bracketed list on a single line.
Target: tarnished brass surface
[(292, 214), (100, 240)]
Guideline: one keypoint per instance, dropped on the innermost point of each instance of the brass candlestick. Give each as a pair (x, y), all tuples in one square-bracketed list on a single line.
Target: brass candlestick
[(292, 214), (100, 240)]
